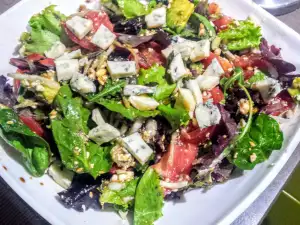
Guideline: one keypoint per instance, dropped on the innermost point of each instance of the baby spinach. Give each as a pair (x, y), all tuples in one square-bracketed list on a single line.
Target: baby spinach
[(176, 117), (70, 131), (129, 113), (34, 149), (257, 145), (148, 199)]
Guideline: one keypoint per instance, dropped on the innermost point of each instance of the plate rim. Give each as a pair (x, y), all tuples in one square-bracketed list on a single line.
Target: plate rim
[(240, 207)]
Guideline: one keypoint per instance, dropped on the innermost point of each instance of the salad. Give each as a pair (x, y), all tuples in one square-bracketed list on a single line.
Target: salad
[(138, 102)]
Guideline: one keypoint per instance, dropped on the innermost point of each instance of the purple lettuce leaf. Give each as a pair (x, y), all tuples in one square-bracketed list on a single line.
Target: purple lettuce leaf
[(7, 95), (161, 37), (272, 55), (83, 193), (229, 130)]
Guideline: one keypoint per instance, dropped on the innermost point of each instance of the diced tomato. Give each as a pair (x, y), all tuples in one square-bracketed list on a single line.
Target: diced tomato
[(98, 19), (150, 54), (34, 57), (198, 136), (178, 160), (226, 65), (213, 8), (47, 62), (207, 61), (33, 125), (248, 74), (223, 22), (217, 95)]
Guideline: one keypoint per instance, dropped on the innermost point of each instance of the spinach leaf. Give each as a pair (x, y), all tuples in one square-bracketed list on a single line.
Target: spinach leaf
[(70, 131), (35, 150), (257, 145), (176, 117), (110, 89), (129, 113), (148, 199), (118, 197), (163, 91)]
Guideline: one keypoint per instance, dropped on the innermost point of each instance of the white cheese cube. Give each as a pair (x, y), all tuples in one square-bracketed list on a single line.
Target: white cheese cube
[(71, 55), (82, 84), (200, 51), (193, 86), (79, 26), (135, 144), (157, 18), (121, 69), (184, 47), (66, 68), (207, 82), (143, 103), (103, 38), (268, 88), (214, 69), (186, 99), (207, 115), (97, 117), (138, 90), (104, 133), (177, 68), (56, 50)]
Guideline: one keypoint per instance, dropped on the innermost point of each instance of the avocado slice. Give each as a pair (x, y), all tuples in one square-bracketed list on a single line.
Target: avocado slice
[(178, 14)]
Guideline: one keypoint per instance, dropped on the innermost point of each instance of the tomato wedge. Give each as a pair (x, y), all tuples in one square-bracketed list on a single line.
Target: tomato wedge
[(98, 19), (150, 54), (47, 62), (217, 95), (33, 125), (226, 65), (198, 136), (34, 57), (178, 161)]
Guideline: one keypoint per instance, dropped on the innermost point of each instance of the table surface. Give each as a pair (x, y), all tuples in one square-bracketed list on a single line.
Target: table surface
[(13, 210)]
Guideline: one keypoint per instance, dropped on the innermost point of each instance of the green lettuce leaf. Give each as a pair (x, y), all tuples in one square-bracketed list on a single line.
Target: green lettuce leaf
[(258, 76), (176, 117), (34, 149), (156, 75), (241, 35), (163, 91), (46, 29), (70, 131), (149, 199), (49, 19), (129, 113), (153, 75), (40, 41), (257, 145), (119, 197)]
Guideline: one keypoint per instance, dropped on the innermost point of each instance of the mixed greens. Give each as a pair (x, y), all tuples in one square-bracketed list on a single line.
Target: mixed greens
[(140, 101)]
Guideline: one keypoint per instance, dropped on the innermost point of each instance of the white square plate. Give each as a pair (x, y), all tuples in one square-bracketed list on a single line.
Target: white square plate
[(220, 205)]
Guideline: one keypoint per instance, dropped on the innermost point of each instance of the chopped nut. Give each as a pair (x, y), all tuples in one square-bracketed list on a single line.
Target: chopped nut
[(10, 122), (82, 8), (53, 114), (253, 157), (122, 157), (201, 26), (252, 144), (202, 32), (218, 51), (235, 155), (244, 106), (79, 170), (102, 76), (92, 73), (91, 194)]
